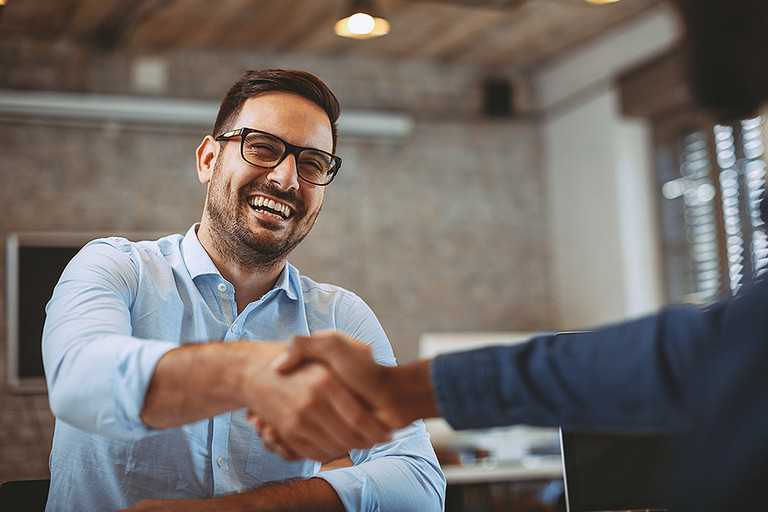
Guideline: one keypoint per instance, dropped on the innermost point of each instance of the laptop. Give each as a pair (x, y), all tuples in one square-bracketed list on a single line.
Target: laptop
[(610, 472)]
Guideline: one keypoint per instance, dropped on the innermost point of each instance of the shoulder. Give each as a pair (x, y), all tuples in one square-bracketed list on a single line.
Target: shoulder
[(135, 251), (329, 295), (330, 306), (117, 258)]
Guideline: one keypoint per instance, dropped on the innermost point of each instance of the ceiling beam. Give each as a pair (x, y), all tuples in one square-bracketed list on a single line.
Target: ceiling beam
[(171, 112)]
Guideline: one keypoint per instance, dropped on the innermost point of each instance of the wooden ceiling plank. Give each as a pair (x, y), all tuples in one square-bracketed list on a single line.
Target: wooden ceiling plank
[(411, 25), (216, 27), (305, 21), (268, 26), (89, 16), (167, 24), (476, 32), (40, 19)]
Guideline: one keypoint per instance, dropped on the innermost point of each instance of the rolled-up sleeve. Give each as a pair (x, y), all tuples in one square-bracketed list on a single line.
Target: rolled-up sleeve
[(402, 474), (97, 372)]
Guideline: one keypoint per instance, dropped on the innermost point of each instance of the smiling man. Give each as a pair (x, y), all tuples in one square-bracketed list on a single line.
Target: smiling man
[(156, 351)]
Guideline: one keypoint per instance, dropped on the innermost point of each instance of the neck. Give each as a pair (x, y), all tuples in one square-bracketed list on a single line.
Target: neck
[(251, 281)]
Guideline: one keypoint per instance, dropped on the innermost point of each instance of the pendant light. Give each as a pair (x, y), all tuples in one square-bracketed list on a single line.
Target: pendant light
[(362, 21)]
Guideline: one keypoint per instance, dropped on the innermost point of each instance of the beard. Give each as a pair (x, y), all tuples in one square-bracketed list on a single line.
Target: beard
[(229, 222)]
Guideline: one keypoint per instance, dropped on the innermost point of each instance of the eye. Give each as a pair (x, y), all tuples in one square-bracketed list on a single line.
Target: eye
[(314, 161), (265, 149)]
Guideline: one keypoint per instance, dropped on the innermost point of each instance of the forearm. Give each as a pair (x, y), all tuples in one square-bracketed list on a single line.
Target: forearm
[(202, 380), (412, 396), (627, 376), (313, 495)]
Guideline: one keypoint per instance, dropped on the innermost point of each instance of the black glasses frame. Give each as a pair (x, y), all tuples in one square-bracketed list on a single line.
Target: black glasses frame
[(290, 149)]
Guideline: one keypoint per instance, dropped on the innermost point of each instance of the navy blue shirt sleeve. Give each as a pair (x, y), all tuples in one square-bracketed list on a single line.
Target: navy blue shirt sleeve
[(624, 377)]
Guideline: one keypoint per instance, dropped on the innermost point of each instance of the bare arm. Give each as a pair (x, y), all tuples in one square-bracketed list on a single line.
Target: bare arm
[(318, 413), (313, 495), (202, 380)]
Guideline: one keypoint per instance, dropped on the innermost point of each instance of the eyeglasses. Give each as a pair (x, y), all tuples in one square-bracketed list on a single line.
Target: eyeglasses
[(263, 149)]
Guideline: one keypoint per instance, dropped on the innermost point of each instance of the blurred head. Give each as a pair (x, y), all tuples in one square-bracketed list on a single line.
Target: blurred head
[(728, 40), (253, 83)]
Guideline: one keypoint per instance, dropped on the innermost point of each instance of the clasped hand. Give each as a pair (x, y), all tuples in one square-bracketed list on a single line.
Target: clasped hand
[(345, 399)]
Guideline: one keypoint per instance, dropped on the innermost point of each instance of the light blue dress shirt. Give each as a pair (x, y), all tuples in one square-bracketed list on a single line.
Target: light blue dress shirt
[(118, 307)]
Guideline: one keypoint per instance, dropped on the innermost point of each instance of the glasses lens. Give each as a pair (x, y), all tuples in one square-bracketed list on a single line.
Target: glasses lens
[(262, 150), (313, 165), (316, 166)]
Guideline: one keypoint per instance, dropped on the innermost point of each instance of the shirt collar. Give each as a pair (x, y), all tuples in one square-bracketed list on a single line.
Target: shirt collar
[(199, 263), (197, 260)]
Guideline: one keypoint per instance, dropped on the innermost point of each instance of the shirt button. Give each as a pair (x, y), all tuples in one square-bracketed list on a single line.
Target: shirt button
[(222, 287), (234, 327), (220, 461)]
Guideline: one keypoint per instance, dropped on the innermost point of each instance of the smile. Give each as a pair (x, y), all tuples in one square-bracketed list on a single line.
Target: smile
[(270, 207)]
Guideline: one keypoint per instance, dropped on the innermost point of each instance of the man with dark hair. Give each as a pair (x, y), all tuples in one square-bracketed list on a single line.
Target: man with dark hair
[(697, 374), (155, 351)]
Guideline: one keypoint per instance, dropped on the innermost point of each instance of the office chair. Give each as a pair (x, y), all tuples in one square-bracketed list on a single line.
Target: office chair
[(24, 495)]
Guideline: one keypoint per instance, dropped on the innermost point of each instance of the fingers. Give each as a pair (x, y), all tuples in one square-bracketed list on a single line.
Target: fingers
[(351, 361), (364, 427), (333, 422), (315, 415), (332, 348)]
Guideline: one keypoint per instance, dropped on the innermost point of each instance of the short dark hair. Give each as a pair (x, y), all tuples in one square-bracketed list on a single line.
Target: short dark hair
[(255, 82)]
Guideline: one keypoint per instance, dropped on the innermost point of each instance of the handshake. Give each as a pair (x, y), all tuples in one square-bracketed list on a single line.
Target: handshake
[(329, 396)]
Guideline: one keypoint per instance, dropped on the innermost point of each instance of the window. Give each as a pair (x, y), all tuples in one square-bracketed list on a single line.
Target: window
[(710, 179)]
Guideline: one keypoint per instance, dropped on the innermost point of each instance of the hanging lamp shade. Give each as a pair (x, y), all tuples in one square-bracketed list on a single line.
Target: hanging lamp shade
[(362, 21)]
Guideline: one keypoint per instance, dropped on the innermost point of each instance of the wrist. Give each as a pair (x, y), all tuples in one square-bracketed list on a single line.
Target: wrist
[(412, 394), (254, 360)]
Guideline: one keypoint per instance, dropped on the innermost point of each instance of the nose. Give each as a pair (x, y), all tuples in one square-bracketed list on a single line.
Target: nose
[(285, 174)]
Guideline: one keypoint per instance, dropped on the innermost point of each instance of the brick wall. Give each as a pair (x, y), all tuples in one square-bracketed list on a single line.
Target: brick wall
[(442, 231)]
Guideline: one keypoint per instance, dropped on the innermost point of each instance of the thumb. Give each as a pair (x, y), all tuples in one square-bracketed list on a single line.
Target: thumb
[(294, 355)]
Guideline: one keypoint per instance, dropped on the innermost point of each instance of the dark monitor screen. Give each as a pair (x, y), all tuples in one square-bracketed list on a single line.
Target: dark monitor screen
[(615, 471), (39, 271), (35, 262)]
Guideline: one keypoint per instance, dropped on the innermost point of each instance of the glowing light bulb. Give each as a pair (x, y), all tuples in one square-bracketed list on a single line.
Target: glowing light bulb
[(361, 23)]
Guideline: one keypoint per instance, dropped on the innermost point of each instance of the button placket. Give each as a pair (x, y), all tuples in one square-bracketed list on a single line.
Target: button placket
[(226, 303)]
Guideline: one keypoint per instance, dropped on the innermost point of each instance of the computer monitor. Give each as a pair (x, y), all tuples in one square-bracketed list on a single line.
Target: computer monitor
[(34, 263), (608, 472)]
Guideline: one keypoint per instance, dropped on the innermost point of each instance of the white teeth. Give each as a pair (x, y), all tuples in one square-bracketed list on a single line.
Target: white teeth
[(260, 201)]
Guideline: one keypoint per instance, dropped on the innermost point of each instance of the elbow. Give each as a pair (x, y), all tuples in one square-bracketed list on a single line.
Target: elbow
[(62, 405)]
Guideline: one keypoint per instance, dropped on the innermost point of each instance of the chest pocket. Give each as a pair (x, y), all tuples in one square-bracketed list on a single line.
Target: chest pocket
[(269, 468)]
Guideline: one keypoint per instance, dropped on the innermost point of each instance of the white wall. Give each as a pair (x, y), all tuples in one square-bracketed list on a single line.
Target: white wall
[(599, 178)]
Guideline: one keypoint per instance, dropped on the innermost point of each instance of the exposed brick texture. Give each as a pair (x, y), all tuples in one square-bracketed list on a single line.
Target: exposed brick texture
[(442, 231)]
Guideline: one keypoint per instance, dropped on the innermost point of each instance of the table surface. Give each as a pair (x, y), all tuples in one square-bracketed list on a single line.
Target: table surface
[(530, 468)]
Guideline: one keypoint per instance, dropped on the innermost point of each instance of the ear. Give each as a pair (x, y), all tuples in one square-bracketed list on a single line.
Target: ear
[(207, 152)]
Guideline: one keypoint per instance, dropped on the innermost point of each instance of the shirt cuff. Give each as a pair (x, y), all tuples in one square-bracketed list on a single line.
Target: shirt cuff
[(134, 370), (353, 488), (464, 384)]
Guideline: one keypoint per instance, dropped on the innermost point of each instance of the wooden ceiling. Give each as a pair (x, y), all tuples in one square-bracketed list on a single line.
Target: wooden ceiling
[(514, 33)]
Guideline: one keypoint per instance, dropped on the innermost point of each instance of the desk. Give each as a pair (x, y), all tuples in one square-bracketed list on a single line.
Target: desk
[(541, 468), (511, 479)]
